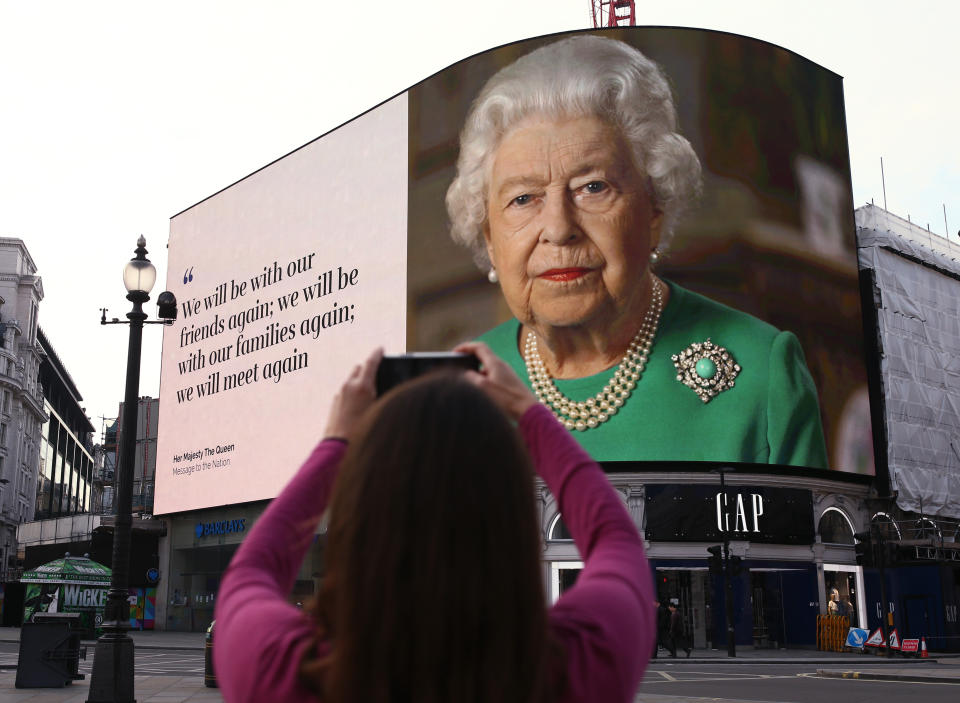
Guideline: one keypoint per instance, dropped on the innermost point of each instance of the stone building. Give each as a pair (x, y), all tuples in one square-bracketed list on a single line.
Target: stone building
[(21, 400)]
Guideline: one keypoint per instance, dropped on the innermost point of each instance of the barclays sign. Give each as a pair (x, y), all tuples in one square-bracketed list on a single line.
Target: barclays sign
[(219, 527)]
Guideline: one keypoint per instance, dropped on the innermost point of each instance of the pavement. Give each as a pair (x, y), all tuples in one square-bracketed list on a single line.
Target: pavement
[(142, 639), (938, 668), (147, 689)]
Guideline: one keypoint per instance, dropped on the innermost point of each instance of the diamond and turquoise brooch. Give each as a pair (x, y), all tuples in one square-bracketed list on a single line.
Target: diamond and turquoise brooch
[(706, 368)]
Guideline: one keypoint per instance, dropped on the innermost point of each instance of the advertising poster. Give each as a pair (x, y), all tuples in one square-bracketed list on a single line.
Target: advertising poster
[(682, 191), (67, 585), (282, 280), (765, 229)]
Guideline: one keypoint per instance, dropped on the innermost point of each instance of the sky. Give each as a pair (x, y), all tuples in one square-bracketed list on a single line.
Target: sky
[(115, 116)]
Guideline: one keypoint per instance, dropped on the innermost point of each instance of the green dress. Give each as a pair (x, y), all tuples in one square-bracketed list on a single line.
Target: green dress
[(769, 416)]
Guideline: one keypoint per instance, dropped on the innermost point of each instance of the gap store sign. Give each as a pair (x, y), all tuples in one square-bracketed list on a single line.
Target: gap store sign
[(751, 514)]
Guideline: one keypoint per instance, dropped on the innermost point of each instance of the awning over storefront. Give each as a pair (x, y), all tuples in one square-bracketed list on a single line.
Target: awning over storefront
[(81, 571)]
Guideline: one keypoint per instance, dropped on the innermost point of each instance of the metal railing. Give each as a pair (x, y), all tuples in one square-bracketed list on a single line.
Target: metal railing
[(921, 538)]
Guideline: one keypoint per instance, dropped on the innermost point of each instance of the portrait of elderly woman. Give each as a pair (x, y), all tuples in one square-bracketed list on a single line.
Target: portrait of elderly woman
[(571, 177)]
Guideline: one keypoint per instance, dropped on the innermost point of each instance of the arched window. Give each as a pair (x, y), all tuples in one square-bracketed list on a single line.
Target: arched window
[(835, 528), (886, 527), (925, 528), (558, 531)]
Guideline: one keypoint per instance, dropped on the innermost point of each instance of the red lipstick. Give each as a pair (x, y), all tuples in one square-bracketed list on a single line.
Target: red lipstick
[(568, 274)]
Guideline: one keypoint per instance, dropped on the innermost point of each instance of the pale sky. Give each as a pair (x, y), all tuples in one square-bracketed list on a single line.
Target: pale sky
[(117, 115)]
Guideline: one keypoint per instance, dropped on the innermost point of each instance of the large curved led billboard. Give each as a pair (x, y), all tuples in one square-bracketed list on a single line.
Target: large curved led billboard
[(652, 225)]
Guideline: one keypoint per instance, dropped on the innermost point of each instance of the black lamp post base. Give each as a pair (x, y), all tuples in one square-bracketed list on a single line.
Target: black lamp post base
[(111, 680)]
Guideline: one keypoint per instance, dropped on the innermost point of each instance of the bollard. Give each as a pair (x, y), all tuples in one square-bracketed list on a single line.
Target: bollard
[(209, 677)]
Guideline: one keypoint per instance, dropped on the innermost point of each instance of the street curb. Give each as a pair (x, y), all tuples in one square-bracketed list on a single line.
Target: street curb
[(872, 676), (793, 660), (880, 661), (93, 643)]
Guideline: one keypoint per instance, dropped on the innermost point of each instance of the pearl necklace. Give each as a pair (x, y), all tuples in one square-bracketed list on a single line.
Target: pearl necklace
[(592, 412)]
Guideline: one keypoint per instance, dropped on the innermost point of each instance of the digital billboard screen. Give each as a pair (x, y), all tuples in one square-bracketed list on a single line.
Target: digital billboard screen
[(652, 225)]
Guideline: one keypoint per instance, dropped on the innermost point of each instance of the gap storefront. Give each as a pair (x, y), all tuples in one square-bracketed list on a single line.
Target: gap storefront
[(789, 561)]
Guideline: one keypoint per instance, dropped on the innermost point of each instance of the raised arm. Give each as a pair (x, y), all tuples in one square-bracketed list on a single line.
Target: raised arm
[(260, 638), (607, 620)]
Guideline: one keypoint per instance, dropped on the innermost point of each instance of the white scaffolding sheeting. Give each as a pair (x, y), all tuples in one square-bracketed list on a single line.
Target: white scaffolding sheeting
[(919, 326)]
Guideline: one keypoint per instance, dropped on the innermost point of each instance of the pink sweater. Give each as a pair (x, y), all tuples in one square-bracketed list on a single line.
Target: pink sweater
[(605, 621)]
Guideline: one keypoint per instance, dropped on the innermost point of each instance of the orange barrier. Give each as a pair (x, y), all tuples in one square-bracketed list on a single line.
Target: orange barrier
[(832, 632)]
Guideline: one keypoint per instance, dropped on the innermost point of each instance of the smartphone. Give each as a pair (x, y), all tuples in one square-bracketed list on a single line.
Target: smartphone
[(394, 369)]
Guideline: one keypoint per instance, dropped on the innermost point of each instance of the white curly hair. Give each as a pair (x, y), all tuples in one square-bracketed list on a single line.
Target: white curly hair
[(581, 75)]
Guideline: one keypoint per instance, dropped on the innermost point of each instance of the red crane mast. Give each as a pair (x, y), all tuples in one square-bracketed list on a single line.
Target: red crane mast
[(613, 13)]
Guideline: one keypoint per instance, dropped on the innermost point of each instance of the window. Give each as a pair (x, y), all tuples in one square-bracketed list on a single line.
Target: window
[(885, 526), (559, 531), (834, 528), (841, 591), (925, 528)]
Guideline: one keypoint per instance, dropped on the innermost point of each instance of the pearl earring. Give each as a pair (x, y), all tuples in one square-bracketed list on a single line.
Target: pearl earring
[(654, 256), (492, 276)]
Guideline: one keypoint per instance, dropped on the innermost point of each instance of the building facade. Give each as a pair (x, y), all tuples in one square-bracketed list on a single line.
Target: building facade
[(145, 459), (912, 276), (75, 488), (104, 477), (22, 413), (65, 478)]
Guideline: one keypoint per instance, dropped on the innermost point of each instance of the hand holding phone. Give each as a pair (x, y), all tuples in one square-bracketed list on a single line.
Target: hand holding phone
[(356, 394), (394, 369), (499, 381)]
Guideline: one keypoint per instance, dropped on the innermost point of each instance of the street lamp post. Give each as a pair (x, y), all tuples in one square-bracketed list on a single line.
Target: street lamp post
[(728, 578), (111, 680), (726, 564)]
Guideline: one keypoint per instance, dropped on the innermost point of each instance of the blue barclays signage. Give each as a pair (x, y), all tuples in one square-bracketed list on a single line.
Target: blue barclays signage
[(219, 527)]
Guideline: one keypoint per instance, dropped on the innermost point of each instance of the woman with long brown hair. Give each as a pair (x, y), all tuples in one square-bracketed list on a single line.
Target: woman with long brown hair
[(433, 589)]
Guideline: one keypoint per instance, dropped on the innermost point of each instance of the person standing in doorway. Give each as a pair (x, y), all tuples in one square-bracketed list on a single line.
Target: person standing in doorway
[(663, 627), (677, 635)]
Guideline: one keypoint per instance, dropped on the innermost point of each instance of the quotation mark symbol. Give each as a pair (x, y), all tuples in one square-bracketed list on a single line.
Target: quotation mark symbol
[(188, 276)]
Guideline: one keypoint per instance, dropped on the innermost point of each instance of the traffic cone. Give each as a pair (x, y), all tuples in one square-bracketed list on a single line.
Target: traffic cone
[(923, 648)]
